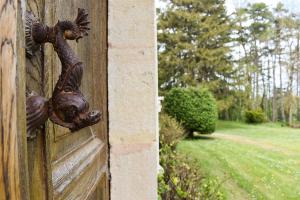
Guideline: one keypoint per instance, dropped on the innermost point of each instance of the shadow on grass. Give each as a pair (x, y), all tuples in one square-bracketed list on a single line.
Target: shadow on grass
[(201, 137)]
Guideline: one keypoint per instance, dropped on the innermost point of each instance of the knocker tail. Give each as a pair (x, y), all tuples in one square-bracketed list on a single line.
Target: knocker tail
[(82, 22)]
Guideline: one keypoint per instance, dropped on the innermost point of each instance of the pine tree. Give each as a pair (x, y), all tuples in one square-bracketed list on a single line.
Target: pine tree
[(252, 36), (280, 12), (194, 38)]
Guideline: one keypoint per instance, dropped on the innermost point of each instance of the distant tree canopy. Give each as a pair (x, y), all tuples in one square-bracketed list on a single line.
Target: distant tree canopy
[(249, 60), (194, 38)]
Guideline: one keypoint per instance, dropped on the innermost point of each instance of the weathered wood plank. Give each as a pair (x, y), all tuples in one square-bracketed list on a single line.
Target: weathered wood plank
[(37, 148), (97, 62), (13, 171), (98, 52)]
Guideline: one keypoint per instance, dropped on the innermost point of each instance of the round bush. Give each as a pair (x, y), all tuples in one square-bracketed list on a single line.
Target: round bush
[(255, 116), (195, 108)]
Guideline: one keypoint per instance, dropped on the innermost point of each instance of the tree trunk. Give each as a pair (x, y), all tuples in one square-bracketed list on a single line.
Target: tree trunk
[(274, 105), (269, 91), (298, 76), (291, 70), (281, 91)]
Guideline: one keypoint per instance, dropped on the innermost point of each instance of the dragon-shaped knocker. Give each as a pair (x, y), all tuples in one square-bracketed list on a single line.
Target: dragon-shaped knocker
[(67, 107)]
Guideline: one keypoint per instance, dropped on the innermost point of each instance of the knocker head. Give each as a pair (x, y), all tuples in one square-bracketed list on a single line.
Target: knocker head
[(85, 119), (72, 109)]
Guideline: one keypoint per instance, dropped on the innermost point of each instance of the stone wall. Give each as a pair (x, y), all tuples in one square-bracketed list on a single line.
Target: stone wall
[(132, 97)]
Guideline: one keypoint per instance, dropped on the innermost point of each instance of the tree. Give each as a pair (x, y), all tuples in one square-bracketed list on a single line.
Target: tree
[(194, 37), (260, 17), (250, 60), (252, 37), (279, 13)]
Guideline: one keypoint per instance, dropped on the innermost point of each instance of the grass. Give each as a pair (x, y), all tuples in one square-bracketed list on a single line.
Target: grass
[(252, 161)]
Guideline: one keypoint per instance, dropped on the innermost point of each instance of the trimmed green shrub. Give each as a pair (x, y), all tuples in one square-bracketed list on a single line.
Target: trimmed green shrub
[(255, 116), (195, 108)]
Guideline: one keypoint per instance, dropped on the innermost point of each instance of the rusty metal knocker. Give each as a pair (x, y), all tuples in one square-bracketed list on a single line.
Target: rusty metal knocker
[(67, 107)]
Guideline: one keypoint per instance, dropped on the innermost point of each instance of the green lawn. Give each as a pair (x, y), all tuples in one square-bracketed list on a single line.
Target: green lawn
[(252, 161)]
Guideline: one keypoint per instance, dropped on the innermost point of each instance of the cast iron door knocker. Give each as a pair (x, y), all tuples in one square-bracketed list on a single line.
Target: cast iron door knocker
[(67, 107)]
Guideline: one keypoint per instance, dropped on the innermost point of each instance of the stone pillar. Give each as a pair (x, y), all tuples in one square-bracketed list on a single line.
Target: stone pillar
[(132, 99)]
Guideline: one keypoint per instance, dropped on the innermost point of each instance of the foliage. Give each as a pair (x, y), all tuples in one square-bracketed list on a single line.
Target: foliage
[(268, 42), (248, 59), (194, 107), (193, 44), (171, 131), (181, 178), (255, 116)]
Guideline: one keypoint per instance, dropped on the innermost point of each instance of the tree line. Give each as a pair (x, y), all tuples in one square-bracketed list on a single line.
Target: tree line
[(249, 59)]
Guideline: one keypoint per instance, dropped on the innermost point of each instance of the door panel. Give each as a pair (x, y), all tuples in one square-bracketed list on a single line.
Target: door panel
[(71, 165), (76, 174)]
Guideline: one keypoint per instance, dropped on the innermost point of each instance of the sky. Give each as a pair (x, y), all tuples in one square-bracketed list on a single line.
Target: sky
[(293, 5)]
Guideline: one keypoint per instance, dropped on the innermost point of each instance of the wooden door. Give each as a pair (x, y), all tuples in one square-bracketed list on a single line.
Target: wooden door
[(61, 164)]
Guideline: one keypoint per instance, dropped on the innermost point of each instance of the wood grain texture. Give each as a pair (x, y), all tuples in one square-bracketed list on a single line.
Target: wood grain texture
[(77, 170), (38, 165), (13, 175), (99, 49)]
